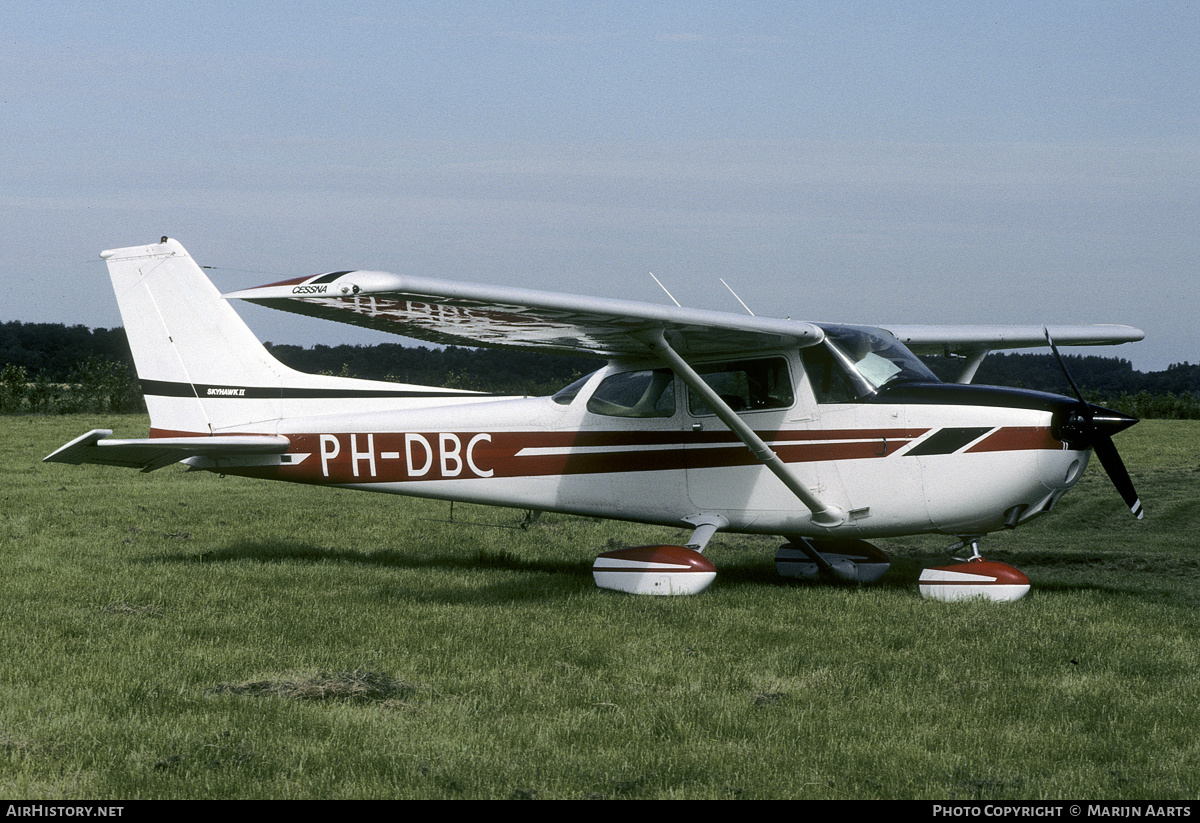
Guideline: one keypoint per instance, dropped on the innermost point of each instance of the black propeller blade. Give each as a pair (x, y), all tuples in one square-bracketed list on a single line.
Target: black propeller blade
[(1093, 427), (1112, 463)]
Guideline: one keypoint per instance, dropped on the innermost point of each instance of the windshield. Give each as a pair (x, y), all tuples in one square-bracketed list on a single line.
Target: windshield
[(853, 363)]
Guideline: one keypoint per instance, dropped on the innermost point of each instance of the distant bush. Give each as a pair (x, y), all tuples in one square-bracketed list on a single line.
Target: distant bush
[(94, 386), (1155, 406), (13, 388)]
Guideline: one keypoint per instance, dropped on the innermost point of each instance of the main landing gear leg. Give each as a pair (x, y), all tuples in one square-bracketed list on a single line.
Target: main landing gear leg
[(973, 577)]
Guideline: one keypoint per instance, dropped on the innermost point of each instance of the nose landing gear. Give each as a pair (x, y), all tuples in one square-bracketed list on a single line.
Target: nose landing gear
[(974, 577)]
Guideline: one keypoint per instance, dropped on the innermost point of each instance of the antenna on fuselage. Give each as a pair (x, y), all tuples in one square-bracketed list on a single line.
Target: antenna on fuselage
[(735, 297), (664, 288)]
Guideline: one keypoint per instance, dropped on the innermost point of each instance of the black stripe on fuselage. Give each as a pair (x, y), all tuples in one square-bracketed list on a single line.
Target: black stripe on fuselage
[(204, 391), (965, 394), (947, 441)]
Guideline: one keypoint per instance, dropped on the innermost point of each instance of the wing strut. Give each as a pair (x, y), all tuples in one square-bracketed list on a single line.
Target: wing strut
[(823, 514), (972, 365)]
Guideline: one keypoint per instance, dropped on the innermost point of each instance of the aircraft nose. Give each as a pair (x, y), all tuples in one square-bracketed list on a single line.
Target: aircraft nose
[(1086, 426), (1062, 470), (1057, 471), (1082, 426)]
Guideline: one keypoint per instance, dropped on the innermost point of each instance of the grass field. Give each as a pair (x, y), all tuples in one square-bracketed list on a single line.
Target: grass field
[(176, 635)]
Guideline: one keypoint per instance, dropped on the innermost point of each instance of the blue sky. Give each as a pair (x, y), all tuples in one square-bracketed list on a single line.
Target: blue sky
[(855, 161)]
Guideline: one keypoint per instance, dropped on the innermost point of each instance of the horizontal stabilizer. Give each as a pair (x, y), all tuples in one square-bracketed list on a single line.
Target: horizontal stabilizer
[(157, 452)]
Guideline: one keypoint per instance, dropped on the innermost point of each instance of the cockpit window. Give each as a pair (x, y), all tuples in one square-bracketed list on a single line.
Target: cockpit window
[(647, 393), (853, 363)]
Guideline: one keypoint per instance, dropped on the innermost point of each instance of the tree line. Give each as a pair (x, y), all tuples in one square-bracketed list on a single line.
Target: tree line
[(1173, 393), (53, 368)]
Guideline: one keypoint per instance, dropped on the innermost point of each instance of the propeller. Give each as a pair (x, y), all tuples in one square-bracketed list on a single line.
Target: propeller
[(1092, 426)]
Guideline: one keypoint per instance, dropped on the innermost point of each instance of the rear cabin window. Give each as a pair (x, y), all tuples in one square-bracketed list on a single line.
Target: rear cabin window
[(648, 393), (746, 385), (567, 394)]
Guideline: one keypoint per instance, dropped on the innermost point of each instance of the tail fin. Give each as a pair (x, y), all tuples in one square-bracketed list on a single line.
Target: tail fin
[(204, 372)]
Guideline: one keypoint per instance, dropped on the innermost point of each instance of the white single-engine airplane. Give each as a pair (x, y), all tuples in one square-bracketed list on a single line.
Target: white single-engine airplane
[(825, 434)]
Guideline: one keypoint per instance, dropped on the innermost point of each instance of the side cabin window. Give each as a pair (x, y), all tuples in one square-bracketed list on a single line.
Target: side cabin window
[(567, 394), (646, 393), (852, 364), (746, 385)]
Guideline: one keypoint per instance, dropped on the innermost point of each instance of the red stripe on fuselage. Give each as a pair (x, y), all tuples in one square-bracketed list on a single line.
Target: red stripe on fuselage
[(379, 457), (1017, 438), (392, 457)]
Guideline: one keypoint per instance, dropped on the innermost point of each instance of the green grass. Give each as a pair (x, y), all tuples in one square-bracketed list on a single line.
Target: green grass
[(179, 635)]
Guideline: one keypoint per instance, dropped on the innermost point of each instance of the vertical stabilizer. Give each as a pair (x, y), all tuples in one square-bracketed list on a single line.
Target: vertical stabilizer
[(204, 372), (187, 341)]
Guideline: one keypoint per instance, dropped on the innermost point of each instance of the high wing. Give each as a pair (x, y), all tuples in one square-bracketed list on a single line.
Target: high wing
[(969, 339), (973, 343), (157, 452), (451, 313)]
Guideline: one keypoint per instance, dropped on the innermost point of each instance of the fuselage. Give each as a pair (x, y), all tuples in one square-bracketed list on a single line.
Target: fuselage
[(703, 418), (630, 442)]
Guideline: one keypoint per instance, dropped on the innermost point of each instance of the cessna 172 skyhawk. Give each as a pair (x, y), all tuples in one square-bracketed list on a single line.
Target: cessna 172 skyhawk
[(824, 434)]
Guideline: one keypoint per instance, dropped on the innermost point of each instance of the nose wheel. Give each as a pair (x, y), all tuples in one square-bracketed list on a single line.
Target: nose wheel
[(973, 577)]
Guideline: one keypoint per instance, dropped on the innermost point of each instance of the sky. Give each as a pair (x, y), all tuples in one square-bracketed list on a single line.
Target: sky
[(856, 162)]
